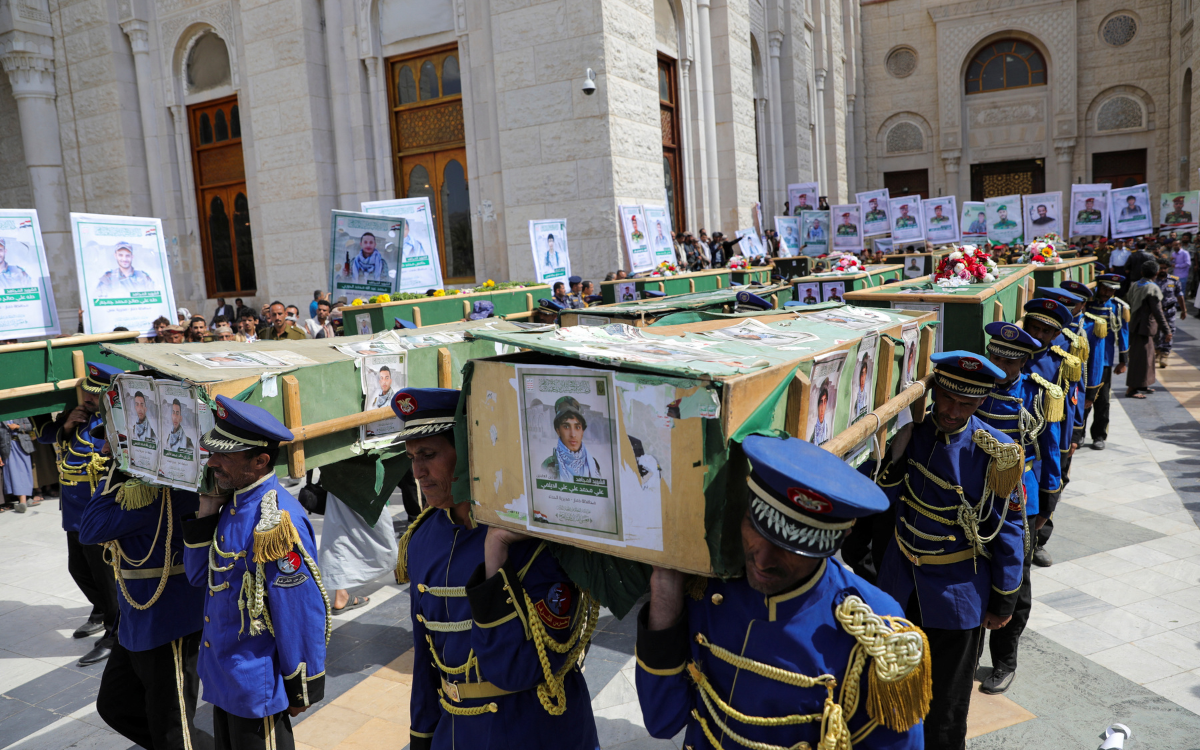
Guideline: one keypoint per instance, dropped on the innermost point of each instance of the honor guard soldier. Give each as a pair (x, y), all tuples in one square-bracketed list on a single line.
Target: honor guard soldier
[(1044, 320), (498, 628), (148, 692), (955, 556), (819, 657), (1015, 406), (266, 613), (1093, 363), (81, 467), (1110, 314)]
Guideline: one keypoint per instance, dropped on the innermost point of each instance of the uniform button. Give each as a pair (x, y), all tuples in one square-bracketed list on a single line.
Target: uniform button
[(206, 618), (206, 644), (232, 512), (717, 598), (210, 593), (222, 537)]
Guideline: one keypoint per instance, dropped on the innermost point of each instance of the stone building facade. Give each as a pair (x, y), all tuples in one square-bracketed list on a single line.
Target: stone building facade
[(242, 124)]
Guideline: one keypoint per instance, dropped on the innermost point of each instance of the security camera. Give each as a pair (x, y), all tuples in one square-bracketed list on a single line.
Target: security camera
[(589, 83)]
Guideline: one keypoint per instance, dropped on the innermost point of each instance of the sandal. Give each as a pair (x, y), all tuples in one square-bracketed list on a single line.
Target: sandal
[(1128, 394), (34, 502), (1146, 390), (354, 603)]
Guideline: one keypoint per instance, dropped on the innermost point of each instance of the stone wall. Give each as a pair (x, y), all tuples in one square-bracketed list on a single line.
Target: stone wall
[(14, 177)]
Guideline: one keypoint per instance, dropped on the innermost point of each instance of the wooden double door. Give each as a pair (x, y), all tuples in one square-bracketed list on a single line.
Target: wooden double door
[(441, 176)]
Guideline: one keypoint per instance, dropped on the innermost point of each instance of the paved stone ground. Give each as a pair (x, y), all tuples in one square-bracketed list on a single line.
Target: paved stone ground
[(1115, 632)]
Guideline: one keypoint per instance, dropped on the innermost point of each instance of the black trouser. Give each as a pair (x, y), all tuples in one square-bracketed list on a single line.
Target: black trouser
[(140, 698), (1100, 405), (954, 655), (235, 733), (93, 576), (1043, 534), (1003, 643)]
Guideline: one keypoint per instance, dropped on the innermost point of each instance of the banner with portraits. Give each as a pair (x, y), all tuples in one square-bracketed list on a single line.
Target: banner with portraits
[(1178, 211), (847, 228), (873, 208), (802, 196), (1004, 220), (1043, 214), (123, 272), (637, 246), (662, 237), (26, 297), (974, 221), (420, 260), (1089, 210), (941, 219), (158, 424), (363, 254), (751, 244), (905, 213), (551, 260), (788, 229), (1129, 211), (814, 232)]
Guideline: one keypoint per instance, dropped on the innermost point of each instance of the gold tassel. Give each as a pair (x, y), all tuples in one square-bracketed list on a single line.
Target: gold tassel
[(402, 556), (1125, 313), (695, 587), (1004, 479), (1100, 328), (1079, 346), (1052, 399), (1072, 366), (900, 704), (274, 544), (134, 494)]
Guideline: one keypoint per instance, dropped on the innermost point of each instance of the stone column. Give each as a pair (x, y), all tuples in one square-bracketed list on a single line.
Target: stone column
[(183, 151), (775, 40), (708, 99), (822, 151), (379, 130), (950, 160), (345, 197), (1064, 150), (139, 40), (691, 207)]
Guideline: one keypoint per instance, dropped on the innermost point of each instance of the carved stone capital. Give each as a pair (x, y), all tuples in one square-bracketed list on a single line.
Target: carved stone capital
[(950, 160), (820, 74), (775, 40), (685, 65), (1064, 149), (139, 35), (30, 74)]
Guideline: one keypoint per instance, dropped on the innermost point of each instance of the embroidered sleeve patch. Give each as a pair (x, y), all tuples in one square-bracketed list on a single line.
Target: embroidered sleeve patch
[(555, 609), (287, 582)]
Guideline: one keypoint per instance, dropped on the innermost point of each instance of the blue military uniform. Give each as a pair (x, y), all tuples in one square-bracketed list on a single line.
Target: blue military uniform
[(791, 656), (483, 645), (266, 613), (148, 692), (81, 467), (958, 545), (1109, 318), (1173, 300)]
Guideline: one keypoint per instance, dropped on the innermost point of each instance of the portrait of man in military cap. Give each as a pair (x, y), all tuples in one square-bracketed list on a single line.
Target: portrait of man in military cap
[(1002, 220), (1089, 214), (1178, 214), (847, 228), (874, 213), (123, 279), (905, 220)]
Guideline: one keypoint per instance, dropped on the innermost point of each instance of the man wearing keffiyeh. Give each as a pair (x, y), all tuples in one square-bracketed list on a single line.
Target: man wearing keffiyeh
[(570, 458)]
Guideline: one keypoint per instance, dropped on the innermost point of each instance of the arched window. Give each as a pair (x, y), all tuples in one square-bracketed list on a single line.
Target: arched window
[(451, 83), (207, 64), (1006, 64), (429, 81), (406, 86)]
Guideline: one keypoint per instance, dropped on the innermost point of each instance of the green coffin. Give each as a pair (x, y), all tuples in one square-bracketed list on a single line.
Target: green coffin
[(1074, 269), (684, 283), (46, 363), (760, 275), (875, 275), (428, 311), (645, 312), (924, 263), (790, 268)]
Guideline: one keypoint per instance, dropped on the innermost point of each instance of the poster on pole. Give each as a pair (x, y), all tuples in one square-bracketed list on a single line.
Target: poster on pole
[(1089, 210), (788, 229), (974, 221), (873, 206), (179, 457), (551, 259), (633, 230), (1043, 214), (848, 235), (751, 245), (905, 215), (941, 219), (1178, 211), (123, 272), (363, 254), (26, 298), (1129, 208), (420, 261), (1004, 220), (802, 196), (814, 226), (662, 238)]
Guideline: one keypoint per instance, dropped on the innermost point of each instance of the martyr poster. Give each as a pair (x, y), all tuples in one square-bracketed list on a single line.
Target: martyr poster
[(814, 227), (788, 228), (802, 196), (941, 219), (974, 220), (751, 245), (1004, 220), (848, 232), (26, 298), (179, 459), (637, 246), (363, 254), (1178, 211), (382, 376), (662, 238), (420, 261), (823, 396), (123, 272), (873, 206), (1130, 212), (905, 213), (862, 384), (141, 421), (551, 259), (1043, 214), (1089, 209)]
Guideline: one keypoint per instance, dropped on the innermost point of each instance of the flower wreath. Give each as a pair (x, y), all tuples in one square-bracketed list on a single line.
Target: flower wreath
[(966, 265), (1044, 250)]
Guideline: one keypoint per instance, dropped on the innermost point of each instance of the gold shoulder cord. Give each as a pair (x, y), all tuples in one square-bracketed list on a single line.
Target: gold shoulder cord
[(114, 554)]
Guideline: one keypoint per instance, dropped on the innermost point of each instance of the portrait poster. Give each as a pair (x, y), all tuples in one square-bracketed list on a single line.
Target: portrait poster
[(637, 246), (648, 413), (814, 228), (751, 245), (123, 272), (26, 298), (1089, 209), (788, 228), (925, 307), (1129, 209), (845, 318), (114, 424), (375, 346), (809, 293), (1178, 211), (141, 420), (905, 213), (941, 219), (1004, 220), (883, 245), (235, 359), (758, 219), (420, 261), (974, 220), (363, 253), (363, 324), (1043, 214), (179, 459), (847, 234), (755, 333), (662, 236), (551, 260), (802, 196), (873, 207), (910, 334), (823, 396), (833, 291), (914, 266), (862, 381), (626, 291), (382, 375), (568, 427)]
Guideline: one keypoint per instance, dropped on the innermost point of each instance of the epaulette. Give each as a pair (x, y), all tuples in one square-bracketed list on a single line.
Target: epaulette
[(1053, 401), (1007, 464), (402, 551), (695, 586), (1125, 313), (1072, 366), (1099, 324), (900, 683), (1079, 344), (134, 494), (274, 534)]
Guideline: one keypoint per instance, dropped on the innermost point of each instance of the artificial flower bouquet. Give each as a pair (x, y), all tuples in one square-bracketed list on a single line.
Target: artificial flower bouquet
[(966, 265)]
